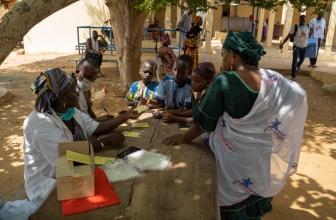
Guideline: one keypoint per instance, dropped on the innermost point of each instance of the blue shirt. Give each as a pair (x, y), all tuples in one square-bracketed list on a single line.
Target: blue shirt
[(174, 96)]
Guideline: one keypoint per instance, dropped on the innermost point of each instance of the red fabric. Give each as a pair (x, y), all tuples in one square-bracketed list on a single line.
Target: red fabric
[(105, 196)]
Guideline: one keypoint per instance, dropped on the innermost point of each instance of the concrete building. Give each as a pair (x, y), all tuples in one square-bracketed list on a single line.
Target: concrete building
[(58, 32)]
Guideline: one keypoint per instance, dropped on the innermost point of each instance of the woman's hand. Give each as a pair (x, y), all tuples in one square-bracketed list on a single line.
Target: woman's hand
[(175, 140)]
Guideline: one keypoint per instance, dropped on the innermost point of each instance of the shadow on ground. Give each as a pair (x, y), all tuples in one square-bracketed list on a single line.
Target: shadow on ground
[(303, 199)]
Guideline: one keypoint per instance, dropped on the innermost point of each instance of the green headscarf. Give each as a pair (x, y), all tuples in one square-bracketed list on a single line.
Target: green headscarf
[(245, 45)]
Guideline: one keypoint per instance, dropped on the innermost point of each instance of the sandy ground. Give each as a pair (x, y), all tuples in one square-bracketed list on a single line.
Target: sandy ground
[(309, 194)]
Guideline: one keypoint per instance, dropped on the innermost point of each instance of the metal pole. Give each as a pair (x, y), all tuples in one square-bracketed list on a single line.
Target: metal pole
[(79, 49)]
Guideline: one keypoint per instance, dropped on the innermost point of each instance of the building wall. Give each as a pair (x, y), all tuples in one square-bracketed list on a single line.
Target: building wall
[(217, 18), (58, 32), (244, 11)]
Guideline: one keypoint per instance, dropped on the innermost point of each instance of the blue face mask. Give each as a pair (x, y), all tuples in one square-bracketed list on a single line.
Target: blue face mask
[(68, 115)]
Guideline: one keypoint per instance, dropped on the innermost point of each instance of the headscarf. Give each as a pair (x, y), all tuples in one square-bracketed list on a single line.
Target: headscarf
[(164, 38), (49, 86), (244, 44)]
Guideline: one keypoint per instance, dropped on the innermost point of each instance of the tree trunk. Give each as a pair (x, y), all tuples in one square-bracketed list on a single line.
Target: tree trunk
[(21, 18), (127, 25)]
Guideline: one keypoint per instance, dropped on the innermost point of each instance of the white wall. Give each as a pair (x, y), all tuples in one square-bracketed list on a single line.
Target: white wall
[(58, 33)]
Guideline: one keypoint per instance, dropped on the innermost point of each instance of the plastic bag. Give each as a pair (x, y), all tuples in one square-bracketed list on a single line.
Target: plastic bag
[(119, 171), (146, 160)]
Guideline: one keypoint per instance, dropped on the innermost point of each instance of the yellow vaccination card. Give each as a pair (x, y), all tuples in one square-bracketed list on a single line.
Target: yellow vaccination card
[(85, 159), (78, 157), (140, 125), (134, 134), (103, 160), (141, 108)]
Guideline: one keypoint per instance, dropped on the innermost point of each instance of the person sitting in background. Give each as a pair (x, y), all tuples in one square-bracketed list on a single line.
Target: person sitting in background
[(55, 120), (175, 93), (201, 79), (95, 48), (166, 54), (143, 90)]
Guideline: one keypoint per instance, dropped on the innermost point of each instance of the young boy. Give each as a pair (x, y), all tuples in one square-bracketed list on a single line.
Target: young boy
[(175, 93), (86, 74), (202, 77), (143, 90)]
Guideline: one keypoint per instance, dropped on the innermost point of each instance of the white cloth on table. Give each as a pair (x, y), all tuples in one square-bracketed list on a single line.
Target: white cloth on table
[(257, 153), (42, 134)]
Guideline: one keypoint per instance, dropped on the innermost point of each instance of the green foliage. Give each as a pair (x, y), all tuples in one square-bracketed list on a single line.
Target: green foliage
[(153, 5)]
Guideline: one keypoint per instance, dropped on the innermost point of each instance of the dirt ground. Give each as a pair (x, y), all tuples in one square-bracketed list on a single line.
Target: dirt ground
[(309, 194)]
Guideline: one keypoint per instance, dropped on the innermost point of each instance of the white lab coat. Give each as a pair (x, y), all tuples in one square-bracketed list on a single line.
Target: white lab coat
[(42, 134)]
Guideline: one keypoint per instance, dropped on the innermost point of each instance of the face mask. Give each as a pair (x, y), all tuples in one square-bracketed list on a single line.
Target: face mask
[(68, 115)]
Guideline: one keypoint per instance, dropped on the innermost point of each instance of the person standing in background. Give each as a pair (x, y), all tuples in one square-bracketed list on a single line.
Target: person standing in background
[(185, 23), (95, 48), (299, 34), (317, 30)]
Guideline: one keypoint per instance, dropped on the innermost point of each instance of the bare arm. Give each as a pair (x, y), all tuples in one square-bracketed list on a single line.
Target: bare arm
[(108, 125), (183, 120), (181, 112), (155, 104), (194, 132), (285, 40)]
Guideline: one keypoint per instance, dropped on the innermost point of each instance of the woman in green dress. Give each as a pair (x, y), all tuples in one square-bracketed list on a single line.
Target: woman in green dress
[(254, 119)]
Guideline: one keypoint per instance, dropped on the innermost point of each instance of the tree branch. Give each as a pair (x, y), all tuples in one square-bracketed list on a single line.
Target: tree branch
[(16, 23)]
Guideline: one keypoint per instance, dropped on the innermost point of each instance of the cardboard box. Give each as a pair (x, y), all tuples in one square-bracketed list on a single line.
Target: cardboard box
[(78, 181)]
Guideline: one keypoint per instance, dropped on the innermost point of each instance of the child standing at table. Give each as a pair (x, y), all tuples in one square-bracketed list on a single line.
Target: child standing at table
[(175, 93), (201, 77), (143, 90)]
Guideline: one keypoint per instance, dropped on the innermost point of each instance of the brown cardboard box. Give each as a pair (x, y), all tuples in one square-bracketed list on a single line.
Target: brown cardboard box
[(78, 182)]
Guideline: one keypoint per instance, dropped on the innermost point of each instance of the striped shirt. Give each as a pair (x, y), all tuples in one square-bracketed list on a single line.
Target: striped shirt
[(174, 96)]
